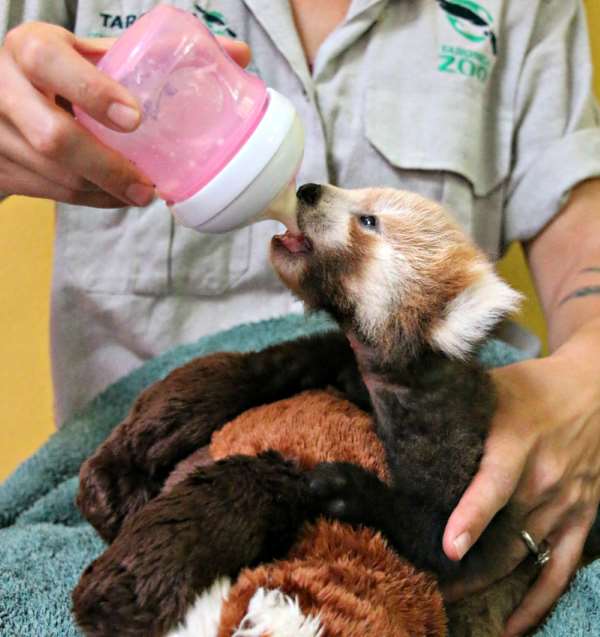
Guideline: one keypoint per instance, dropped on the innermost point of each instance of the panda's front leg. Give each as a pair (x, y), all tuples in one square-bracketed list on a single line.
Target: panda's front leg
[(221, 518), (413, 525)]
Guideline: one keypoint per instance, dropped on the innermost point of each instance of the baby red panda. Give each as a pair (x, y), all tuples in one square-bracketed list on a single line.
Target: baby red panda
[(394, 270), (413, 297)]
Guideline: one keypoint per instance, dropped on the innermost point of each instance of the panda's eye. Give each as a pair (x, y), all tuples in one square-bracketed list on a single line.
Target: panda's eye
[(368, 221)]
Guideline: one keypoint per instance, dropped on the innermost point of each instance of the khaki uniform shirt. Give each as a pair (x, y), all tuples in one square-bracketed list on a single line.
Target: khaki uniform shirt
[(489, 112)]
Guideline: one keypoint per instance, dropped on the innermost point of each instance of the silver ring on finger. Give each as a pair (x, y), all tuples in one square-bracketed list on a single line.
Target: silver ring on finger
[(541, 551)]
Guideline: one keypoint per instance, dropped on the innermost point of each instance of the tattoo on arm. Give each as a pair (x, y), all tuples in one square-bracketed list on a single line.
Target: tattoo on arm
[(589, 290)]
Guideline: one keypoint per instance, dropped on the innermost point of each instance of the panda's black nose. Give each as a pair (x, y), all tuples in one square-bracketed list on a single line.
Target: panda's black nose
[(309, 194)]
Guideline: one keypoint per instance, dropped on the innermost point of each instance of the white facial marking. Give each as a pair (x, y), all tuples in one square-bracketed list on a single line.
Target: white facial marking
[(334, 231), (472, 314), (381, 283), (335, 235), (278, 615), (204, 617)]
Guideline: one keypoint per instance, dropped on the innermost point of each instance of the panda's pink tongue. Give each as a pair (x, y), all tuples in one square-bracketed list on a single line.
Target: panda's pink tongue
[(295, 242)]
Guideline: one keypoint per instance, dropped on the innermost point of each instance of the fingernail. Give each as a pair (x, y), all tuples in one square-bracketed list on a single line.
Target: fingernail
[(124, 117), (462, 544), (140, 194)]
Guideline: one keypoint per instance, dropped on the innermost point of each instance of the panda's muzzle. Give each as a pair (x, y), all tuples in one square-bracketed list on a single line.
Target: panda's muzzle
[(293, 243), (299, 243)]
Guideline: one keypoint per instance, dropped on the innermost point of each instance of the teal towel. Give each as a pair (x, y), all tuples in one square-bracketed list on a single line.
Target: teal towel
[(45, 544)]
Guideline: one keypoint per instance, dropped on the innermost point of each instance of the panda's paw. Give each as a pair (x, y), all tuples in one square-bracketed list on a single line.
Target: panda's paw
[(345, 491)]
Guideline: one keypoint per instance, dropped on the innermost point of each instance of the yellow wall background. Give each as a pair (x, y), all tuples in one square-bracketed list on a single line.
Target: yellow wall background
[(26, 232)]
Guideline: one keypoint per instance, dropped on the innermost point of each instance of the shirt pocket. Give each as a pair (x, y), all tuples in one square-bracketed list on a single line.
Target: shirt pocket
[(453, 135), (144, 252), (118, 251)]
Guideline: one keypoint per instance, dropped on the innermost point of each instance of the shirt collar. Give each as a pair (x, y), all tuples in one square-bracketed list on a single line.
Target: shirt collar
[(357, 7), (278, 21)]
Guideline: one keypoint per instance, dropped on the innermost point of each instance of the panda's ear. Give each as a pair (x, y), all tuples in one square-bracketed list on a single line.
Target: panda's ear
[(471, 315)]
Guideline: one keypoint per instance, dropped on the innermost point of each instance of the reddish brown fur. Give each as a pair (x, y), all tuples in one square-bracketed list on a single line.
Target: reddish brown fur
[(290, 426), (352, 580)]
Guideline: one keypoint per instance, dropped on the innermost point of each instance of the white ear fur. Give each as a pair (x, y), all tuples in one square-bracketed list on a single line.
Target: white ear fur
[(472, 314)]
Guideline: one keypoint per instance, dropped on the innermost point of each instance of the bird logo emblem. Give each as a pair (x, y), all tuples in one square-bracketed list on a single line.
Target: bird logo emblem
[(471, 20), (215, 22)]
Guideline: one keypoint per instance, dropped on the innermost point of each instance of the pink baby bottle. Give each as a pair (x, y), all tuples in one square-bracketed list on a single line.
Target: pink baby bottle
[(221, 147)]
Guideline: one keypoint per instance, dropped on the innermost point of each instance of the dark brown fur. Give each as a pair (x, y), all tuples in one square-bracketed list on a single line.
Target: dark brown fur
[(219, 519), (178, 415), (149, 574)]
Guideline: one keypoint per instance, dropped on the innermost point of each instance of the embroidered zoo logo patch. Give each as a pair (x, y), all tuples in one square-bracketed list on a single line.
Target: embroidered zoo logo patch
[(470, 20), (474, 24), (112, 24)]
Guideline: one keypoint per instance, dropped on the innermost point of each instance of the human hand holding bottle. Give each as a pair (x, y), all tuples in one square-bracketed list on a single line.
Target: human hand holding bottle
[(44, 152)]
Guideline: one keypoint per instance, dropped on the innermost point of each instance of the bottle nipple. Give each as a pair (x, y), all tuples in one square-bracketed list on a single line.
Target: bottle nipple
[(284, 209)]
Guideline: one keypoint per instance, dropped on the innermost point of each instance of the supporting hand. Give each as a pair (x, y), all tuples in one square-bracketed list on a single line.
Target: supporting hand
[(542, 455)]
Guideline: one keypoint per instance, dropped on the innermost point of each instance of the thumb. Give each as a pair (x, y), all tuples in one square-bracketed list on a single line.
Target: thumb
[(492, 487)]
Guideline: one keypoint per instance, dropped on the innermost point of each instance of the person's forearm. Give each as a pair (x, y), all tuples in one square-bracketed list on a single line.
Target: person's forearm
[(565, 263)]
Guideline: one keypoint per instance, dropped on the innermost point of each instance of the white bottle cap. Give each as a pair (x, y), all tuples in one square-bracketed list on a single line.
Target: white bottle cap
[(262, 168)]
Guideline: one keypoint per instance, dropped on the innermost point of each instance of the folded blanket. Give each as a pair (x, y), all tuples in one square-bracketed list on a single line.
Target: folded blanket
[(45, 544)]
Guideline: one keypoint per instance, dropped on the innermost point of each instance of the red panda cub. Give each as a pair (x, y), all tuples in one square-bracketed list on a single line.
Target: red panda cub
[(415, 297)]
